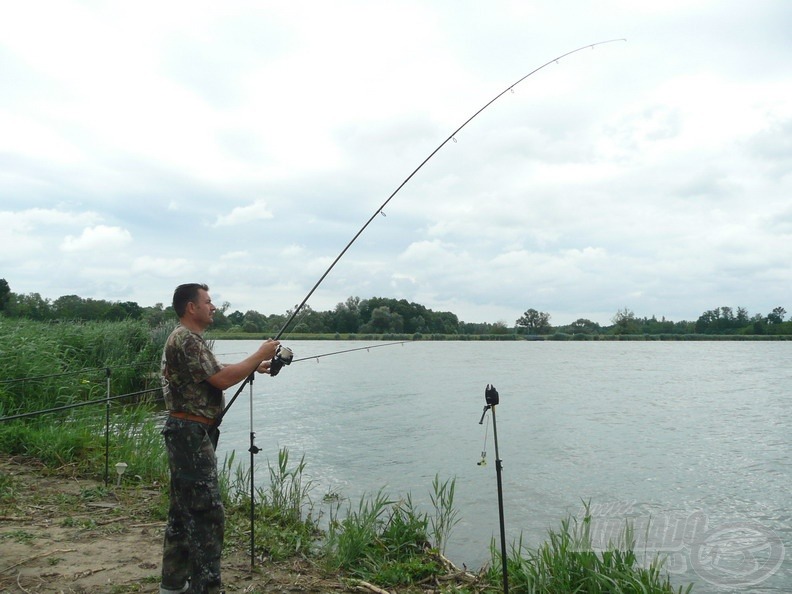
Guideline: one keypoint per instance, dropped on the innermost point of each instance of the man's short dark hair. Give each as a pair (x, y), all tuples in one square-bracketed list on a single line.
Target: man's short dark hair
[(185, 294)]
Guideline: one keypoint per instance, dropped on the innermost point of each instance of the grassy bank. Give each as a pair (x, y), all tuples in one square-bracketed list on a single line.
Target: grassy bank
[(381, 543), (382, 539)]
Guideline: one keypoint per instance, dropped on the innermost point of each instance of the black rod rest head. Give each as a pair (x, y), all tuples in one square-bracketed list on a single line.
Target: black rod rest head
[(491, 395)]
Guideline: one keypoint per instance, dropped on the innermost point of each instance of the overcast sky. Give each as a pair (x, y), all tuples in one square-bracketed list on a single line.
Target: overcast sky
[(243, 144)]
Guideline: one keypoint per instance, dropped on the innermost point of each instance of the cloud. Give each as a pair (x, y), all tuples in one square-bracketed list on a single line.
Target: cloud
[(651, 174), (100, 237), (33, 218), (29, 233), (258, 211)]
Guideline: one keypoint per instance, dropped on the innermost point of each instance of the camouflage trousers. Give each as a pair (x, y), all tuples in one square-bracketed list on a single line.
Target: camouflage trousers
[(196, 518)]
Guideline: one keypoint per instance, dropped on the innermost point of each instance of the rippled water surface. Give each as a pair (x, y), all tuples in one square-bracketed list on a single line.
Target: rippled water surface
[(689, 439)]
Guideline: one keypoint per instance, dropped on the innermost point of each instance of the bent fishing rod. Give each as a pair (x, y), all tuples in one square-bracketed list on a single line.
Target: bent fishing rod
[(278, 362)]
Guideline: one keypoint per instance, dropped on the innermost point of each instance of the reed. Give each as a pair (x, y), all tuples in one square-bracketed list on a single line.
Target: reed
[(44, 365), (445, 515), (385, 541), (283, 520), (567, 562)]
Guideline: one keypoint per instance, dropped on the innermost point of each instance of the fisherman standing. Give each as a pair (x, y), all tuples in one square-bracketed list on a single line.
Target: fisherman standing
[(193, 384)]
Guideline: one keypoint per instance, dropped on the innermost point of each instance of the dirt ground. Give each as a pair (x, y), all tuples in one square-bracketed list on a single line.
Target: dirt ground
[(66, 535)]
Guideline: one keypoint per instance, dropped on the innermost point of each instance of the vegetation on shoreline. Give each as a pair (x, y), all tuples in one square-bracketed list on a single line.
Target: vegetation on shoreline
[(382, 539), (380, 316)]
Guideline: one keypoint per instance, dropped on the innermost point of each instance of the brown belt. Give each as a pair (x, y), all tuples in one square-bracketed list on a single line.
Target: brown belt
[(191, 417)]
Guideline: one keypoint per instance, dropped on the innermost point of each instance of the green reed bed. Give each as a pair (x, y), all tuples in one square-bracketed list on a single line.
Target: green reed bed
[(48, 364), (64, 366), (388, 541), (284, 524), (77, 440), (568, 562)]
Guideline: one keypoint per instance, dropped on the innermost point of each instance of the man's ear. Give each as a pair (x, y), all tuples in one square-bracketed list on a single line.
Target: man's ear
[(190, 307)]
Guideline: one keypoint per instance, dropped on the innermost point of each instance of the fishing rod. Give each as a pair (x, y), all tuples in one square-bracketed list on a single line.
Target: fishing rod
[(278, 361), (365, 348), (102, 400), (284, 355)]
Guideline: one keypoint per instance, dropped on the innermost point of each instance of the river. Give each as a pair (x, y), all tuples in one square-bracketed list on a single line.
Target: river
[(689, 441)]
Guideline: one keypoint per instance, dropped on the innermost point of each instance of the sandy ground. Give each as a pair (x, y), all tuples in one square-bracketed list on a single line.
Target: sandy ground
[(62, 534)]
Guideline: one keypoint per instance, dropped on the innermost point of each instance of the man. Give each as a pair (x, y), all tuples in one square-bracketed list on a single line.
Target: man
[(193, 384)]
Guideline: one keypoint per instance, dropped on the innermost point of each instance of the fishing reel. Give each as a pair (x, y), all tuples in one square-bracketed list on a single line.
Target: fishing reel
[(283, 356)]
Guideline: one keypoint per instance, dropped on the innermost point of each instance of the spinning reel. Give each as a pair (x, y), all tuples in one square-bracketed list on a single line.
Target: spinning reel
[(283, 356)]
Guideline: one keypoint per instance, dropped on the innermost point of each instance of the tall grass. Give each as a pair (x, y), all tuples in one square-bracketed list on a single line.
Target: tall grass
[(282, 514), (47, 365), (387, 541), (445, 515), (77, 440), (567, 562), (43, 364)]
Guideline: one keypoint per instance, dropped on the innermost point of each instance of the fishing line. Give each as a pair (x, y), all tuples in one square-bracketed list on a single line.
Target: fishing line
[(381, 209), (483, 461), (66, 373)]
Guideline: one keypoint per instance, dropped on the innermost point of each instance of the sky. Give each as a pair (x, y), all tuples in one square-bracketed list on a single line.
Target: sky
[(244, 144)]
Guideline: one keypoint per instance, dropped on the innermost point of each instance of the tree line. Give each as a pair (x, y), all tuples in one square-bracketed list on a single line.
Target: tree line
[(377, 315), (381, 315)]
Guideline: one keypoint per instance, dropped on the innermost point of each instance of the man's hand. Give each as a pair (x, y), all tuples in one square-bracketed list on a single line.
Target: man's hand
[(268, 349), (234, 373)]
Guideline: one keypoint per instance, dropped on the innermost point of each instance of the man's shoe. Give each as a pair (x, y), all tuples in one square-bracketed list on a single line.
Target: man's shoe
[(181, 590)]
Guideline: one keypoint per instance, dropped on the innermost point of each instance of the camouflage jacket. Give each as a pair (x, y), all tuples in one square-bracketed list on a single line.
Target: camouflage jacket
[(187, 362)]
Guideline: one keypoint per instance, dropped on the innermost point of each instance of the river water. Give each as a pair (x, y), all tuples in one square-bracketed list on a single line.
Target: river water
[(689, 441)]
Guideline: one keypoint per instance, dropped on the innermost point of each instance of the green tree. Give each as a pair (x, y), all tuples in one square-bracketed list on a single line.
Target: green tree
[(776, 316), (157, 315), (346, 316), (68, 307), (444, 322), (309, 320), (380, 322), (625, 322), (5, 293), (535, 322), (584, 326), (32, 306), (132, 310), (253, 321), (237, 318)]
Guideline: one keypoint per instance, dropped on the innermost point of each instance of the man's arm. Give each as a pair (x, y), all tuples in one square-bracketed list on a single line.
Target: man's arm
[(234, 373)]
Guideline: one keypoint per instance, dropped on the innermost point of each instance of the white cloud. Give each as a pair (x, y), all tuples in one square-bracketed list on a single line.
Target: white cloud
[(161, 267), (32, 219), (97, 238), (258, 211)]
